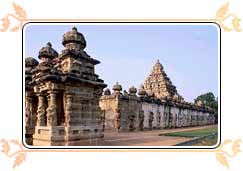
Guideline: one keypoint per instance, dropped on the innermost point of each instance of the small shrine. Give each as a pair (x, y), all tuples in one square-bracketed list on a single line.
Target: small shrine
[(62, 92)]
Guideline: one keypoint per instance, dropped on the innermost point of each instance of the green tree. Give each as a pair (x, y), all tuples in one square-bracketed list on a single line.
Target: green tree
[(208, 99)]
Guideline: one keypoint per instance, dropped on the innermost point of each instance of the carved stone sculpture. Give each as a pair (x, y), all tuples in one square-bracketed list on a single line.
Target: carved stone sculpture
[(131, 124), (41, 110), (158, 119), (141, 120), (150, 120), (117, 120)]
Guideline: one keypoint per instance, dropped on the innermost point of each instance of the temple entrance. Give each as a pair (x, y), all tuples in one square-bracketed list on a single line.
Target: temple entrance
[(60, 109)]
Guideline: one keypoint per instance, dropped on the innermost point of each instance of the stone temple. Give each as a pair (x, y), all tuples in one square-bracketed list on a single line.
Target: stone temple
[(62, 94), (65, 102), (157, 105)]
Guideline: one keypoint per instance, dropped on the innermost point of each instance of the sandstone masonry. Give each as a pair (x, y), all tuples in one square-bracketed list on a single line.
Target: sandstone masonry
[(157, 105), (62, 94), (64, 102)]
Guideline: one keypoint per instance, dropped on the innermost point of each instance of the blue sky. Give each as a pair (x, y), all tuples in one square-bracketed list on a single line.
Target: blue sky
[(189, 53)]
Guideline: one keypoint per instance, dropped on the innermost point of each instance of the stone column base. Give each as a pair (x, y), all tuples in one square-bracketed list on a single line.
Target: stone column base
[(47, 136), (29, 131), (65, 136)]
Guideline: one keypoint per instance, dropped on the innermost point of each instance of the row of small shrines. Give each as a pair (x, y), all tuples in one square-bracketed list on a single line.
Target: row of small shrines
[(151, 111), (158, 117), (129, 112), (158, 120), (147, 96), (132, 113)]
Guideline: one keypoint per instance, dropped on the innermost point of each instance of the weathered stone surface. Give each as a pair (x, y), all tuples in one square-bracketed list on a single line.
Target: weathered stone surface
[(64, 102), (107, 92), (159, 84), (158, 106), (74, 40), (31, 62), (141, 91), (68, 92), (132, 91), (47, 52), (117, 88)]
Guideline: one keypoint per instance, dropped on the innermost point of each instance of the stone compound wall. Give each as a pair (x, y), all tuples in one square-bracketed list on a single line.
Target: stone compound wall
[(126, 111), (109, 106)]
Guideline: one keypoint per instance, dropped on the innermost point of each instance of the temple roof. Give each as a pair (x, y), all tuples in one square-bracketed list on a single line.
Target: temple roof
[(141, 91), (74, 37), (47, 52), (117, 87), (159, 83), (31, 62)]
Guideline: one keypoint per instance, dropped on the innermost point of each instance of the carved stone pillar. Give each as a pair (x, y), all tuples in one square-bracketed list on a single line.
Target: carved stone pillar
[(131, 125), (41, 110), (90, 107), (52, 109), (150, 120), (28, 103), (141, 120), (68, 109), (103, 119), (117, 124), (158, 120), (170, 119)]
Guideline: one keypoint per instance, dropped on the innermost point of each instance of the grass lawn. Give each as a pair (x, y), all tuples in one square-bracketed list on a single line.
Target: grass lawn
[(194, 133), (207, 142)]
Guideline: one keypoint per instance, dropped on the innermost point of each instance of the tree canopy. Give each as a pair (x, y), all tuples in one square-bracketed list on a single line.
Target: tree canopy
[(208, 99)]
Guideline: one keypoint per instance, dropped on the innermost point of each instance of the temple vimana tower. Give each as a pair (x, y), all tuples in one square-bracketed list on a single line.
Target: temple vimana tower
[(62, 94), (65, 102), (159, 84)]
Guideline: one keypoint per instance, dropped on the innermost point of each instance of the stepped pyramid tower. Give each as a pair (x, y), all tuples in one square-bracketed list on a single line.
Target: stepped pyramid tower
[(159, 84), (67, 91)]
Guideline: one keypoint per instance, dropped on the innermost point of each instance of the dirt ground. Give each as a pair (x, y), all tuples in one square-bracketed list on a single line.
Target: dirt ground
[(143, 138)]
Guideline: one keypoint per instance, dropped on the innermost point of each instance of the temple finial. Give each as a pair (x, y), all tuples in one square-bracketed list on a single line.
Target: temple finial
[(74, 29), (49, 44)]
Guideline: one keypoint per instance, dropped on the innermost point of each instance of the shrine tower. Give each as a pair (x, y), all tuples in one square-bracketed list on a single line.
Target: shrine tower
[(68, 92), (159, 84)]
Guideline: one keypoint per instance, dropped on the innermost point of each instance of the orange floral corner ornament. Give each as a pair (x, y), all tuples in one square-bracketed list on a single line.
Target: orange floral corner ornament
[(223, 156), (222, 16), (20, 16), (19, 155)]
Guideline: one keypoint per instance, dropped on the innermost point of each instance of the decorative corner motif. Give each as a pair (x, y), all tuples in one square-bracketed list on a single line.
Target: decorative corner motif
[(19, 155), (223, 156), (222, 16), (20, 16)]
